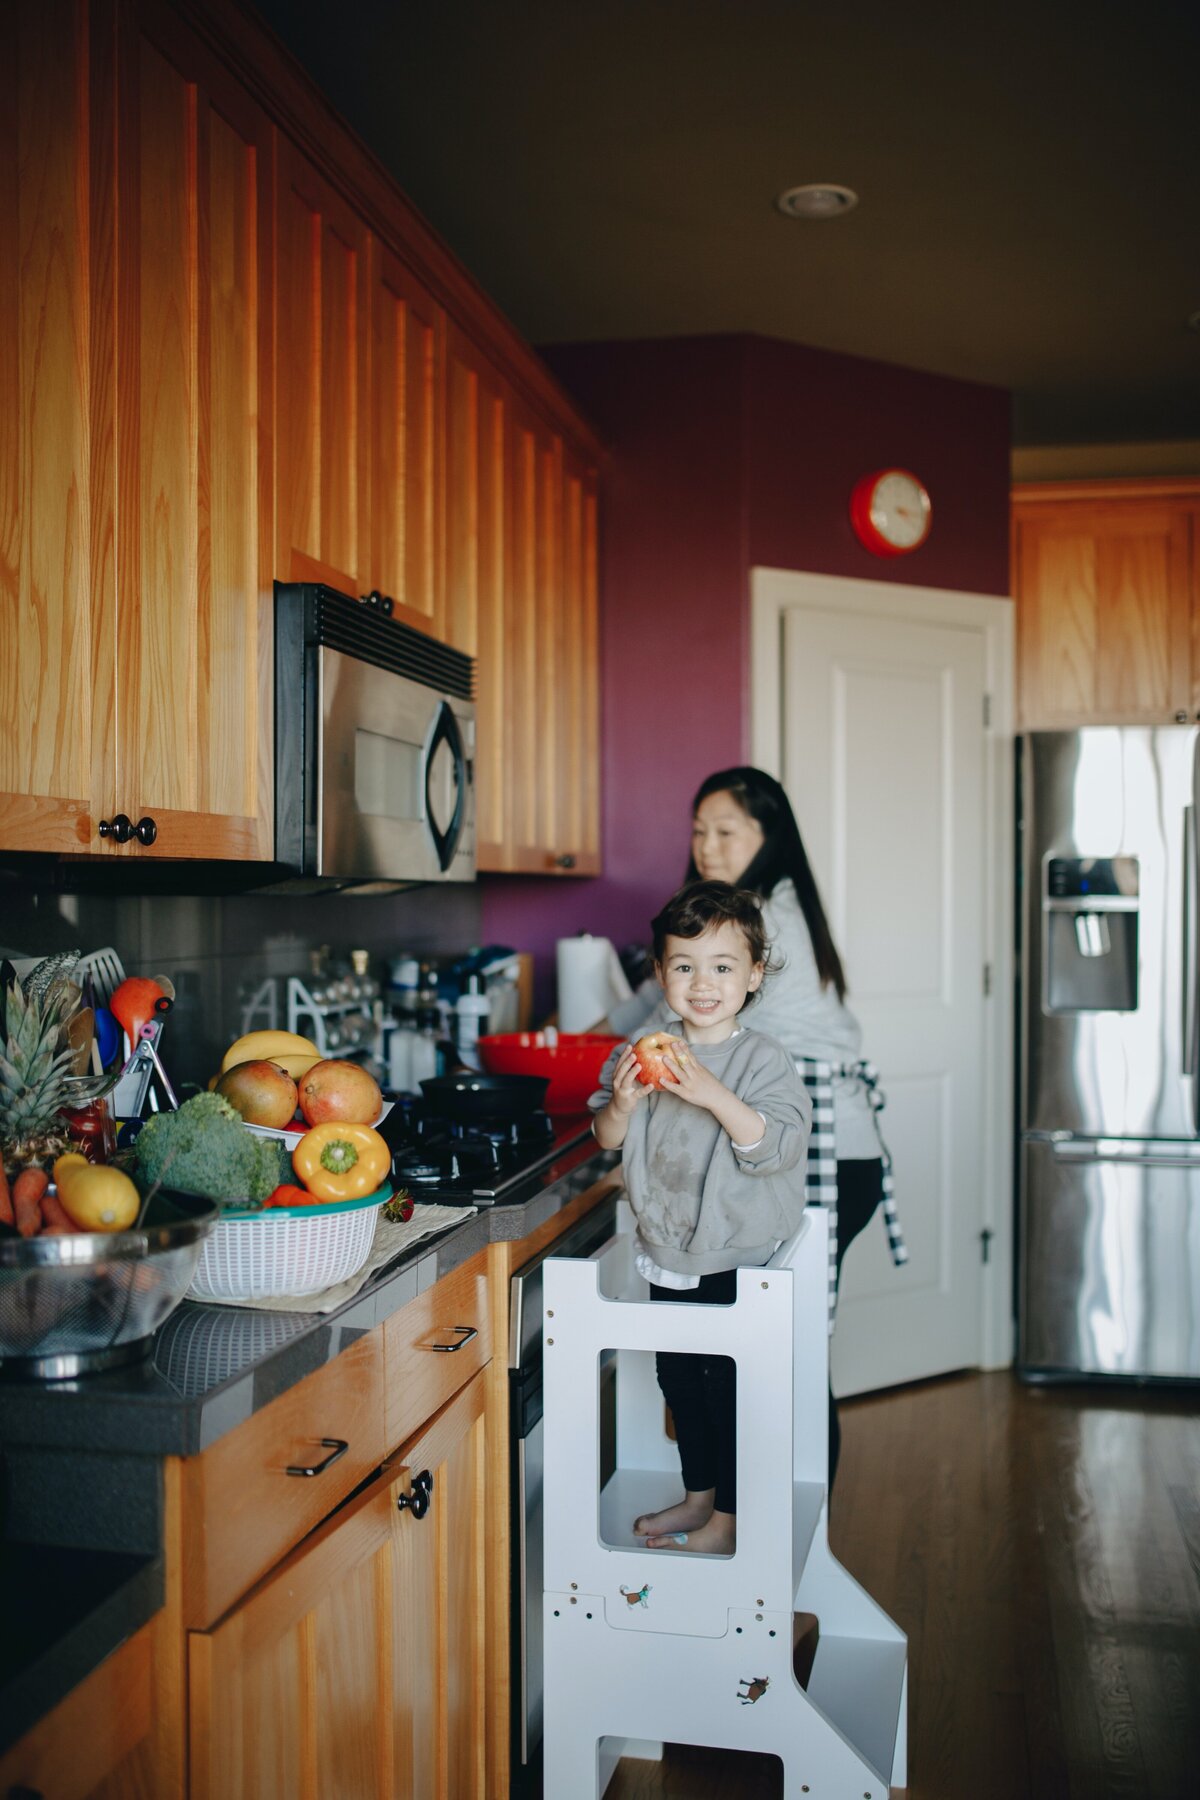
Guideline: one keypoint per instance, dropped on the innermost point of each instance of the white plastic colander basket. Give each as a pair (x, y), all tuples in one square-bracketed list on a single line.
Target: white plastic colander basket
[(286, 1249)]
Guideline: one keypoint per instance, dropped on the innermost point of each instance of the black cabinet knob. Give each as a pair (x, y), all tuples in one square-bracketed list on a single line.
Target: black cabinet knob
[(418, 1500), (121, 828), (564, 862)]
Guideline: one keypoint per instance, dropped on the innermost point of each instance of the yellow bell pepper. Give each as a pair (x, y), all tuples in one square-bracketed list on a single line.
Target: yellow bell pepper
[(336, 1161)]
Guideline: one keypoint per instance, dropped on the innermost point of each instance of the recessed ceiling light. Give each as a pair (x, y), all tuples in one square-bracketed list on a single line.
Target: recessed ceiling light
[(817, 200)]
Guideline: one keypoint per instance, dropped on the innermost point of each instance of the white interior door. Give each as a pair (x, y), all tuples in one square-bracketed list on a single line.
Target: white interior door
[(884, 753)]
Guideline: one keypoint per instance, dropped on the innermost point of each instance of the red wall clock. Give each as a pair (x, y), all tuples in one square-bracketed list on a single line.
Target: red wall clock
[(891, 512)]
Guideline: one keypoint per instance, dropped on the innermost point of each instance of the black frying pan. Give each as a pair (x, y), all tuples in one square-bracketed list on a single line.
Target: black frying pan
[(470, 1096)]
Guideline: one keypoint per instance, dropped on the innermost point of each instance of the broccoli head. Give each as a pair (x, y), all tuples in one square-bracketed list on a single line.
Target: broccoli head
[(205, 1148)]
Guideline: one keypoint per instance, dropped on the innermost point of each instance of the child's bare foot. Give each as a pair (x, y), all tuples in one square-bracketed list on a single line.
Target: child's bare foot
[(716, 1537), (694, 1510)]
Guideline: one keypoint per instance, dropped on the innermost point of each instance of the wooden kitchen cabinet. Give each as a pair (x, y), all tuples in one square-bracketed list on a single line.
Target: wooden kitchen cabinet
[(356, 1668), (89, 1738), (1108, 602), (233, 354), (243, 1507), (52, 700), (405, 431), (136, 579), (322, 344), (551, 696), (478, 469)]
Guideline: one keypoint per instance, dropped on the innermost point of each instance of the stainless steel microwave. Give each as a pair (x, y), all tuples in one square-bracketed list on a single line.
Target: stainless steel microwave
[(374, 744)]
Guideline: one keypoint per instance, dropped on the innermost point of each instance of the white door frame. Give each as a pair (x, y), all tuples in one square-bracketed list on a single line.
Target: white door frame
[(772, 592)]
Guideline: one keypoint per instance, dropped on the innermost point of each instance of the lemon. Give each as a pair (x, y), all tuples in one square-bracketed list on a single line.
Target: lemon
[(94, 1196)]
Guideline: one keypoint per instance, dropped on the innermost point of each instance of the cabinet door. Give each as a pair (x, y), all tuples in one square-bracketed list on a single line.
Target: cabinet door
[(477, 468), (405, 408), (1103, 611), (440, 1606), (551, 695), (291, 1693), (54, 655), (354, 1671), (578, 833), (534, 628), (181, 423), (322, 338)]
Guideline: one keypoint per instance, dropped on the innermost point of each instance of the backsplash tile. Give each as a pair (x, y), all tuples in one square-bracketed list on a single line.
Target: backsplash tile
[(216, 948)]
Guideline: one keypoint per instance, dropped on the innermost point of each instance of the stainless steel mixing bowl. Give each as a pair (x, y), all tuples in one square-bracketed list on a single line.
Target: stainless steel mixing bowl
[(69, 1305)]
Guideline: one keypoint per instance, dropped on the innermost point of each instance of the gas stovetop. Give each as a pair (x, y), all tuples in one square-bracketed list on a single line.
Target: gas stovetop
[(481, 1163)]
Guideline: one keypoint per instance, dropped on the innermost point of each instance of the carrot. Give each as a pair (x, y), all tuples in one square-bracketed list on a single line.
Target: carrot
[(55, 1215), (6, 1205), (27, 1191)]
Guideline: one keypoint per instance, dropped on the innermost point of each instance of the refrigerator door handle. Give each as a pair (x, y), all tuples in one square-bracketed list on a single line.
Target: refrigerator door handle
[(1081, 1151)]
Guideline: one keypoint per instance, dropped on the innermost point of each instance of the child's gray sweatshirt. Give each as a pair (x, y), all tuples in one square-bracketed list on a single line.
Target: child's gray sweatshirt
[(701, 1205)]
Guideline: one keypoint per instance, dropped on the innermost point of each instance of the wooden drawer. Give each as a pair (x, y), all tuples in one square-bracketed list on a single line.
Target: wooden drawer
[(433, 1346), (90, 1733), (243, 1511)]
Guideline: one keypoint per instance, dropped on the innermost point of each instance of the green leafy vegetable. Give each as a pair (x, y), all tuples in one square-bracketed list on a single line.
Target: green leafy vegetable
[(206, 1148)]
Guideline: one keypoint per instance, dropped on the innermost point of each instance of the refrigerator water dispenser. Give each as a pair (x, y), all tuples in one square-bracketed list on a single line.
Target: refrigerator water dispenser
[(1090, 939)]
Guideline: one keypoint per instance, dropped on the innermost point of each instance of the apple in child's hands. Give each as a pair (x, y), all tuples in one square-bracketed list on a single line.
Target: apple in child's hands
[(650, 1051)]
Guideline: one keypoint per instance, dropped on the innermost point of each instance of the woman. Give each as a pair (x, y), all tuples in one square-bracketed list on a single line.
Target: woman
[(744, 832)]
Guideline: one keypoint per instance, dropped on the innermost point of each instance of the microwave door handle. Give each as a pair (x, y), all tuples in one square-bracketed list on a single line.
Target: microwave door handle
[(445, 731)]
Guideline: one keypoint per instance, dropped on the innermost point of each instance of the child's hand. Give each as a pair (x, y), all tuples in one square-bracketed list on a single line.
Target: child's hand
[(692, 1081), (627, 1089)]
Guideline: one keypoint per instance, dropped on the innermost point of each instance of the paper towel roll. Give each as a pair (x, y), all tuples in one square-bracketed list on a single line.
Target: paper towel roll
[(590, 980)]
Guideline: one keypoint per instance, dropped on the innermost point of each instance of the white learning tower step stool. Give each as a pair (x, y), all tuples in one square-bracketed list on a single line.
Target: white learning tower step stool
[(647, 1646)]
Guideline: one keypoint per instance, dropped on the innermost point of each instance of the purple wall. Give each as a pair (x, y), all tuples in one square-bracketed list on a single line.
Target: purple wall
[(817, 422), (726, 453)]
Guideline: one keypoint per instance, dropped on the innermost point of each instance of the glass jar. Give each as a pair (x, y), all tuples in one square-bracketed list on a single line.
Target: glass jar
[(92, 1130)]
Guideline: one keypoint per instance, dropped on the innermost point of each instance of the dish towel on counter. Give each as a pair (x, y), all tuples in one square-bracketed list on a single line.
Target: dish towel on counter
[(820, 1187), (391, 1240)]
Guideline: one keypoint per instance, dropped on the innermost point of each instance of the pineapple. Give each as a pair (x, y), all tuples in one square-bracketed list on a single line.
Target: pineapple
[(35, 1065)]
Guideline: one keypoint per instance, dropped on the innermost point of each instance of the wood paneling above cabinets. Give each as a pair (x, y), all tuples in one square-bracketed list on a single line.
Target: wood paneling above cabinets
[(1106, 577), (228, 366)]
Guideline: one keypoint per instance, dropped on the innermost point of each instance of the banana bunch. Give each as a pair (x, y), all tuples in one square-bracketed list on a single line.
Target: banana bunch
[(292, 1052)]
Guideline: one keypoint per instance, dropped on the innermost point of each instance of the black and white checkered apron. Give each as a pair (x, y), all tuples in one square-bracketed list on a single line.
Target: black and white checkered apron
[(820, 1185)]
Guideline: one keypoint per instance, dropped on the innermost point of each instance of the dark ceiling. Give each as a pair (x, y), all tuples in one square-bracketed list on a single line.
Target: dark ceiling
[(1028, 173)]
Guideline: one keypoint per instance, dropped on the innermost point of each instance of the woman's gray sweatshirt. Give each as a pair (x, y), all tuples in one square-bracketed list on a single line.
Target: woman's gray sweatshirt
[(703, 1206)]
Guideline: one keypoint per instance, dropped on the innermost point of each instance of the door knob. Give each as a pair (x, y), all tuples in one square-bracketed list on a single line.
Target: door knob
[(145, 831)]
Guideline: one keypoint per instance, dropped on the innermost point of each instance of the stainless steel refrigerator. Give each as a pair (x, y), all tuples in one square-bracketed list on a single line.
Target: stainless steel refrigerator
[(1109, 1203)]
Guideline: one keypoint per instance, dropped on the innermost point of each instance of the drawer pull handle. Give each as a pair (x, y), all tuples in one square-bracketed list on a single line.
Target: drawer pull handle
[(468, 1332), (336, 1447), (418, 1501)]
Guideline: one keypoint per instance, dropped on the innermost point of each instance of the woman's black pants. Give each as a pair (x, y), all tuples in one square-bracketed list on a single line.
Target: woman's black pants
[(701, 1392), (859, 1190)]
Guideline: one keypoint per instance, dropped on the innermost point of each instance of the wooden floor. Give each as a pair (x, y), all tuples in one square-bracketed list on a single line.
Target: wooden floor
[(1041, 1548)]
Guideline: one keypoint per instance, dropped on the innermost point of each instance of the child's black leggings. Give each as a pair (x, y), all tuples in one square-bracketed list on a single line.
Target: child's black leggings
[(701, 1392)]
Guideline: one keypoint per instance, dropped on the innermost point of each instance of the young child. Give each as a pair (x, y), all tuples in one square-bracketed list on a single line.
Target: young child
[(714, 1170)]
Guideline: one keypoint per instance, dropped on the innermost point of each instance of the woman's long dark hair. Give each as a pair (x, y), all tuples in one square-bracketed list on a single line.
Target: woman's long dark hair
[(781, 858)]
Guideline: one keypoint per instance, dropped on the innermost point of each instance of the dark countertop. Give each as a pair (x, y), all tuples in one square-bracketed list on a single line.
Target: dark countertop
[(209, 1369)]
